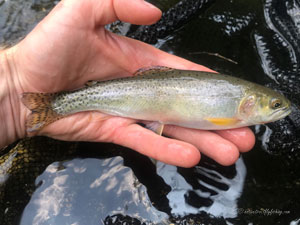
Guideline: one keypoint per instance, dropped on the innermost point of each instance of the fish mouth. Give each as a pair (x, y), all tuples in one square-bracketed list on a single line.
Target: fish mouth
[(282, 113)]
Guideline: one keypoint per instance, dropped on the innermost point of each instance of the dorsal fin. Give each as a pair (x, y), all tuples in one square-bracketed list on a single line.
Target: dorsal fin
[(151, 70)]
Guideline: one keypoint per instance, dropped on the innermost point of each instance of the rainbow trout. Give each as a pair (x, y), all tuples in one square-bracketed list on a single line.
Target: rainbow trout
[(192, 99)]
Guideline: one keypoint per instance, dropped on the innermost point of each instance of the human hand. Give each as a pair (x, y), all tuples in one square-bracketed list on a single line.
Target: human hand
[(71, 46)]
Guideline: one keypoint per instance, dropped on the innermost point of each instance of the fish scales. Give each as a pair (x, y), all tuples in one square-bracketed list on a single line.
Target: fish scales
[(192, 99), (153, 97)]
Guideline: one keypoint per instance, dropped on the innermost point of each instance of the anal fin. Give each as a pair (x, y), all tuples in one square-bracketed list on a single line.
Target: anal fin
[(158, 128)]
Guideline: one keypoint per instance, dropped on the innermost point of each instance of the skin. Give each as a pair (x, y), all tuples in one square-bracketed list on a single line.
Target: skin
[(71, 46)]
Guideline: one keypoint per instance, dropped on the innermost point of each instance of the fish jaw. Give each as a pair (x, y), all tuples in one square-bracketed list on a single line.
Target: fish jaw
[(280, 114)]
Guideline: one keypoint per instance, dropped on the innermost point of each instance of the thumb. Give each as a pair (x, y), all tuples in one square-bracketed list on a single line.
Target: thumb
[(137, 12), (104, 12)]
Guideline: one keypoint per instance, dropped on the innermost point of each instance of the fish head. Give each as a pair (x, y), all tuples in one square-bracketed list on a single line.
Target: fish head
[(264, 106)]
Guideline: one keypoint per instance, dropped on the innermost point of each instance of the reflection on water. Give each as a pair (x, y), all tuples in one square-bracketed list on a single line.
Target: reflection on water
[(216, 201), (85, 191)]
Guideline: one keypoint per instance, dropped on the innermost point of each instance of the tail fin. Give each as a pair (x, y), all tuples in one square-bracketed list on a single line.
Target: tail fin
[(42, 113)]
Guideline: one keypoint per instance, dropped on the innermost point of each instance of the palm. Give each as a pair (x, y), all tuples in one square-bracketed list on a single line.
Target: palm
[(65, 58), (71, 47)]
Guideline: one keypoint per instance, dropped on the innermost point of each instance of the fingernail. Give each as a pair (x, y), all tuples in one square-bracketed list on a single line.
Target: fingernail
[(151, 5)]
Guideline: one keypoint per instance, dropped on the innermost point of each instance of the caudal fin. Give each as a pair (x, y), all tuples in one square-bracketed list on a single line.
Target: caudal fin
[(42, 113)]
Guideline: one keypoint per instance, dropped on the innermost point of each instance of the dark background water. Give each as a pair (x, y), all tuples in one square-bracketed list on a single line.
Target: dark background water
[(101, 187)]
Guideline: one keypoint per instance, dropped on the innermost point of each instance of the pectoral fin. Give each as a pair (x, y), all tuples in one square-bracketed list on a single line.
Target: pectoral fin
[(156, 127), (223, 121)]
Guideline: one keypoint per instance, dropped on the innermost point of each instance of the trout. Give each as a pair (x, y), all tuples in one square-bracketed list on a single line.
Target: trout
[(192, 99)]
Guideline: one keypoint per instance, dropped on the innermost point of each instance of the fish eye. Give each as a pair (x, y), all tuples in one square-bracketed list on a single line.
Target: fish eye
[(275, 103)]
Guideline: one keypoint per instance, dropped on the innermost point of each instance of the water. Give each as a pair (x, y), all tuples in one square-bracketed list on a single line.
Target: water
[(107, 184), (86, 191)]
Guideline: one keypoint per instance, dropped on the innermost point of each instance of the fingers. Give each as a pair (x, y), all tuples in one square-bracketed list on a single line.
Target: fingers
[(223, 148), (94, 126), (243, 138), (167, 150), (209, 143)]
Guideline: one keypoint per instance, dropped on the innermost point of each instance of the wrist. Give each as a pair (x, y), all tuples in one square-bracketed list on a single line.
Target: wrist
[(12, 117)]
